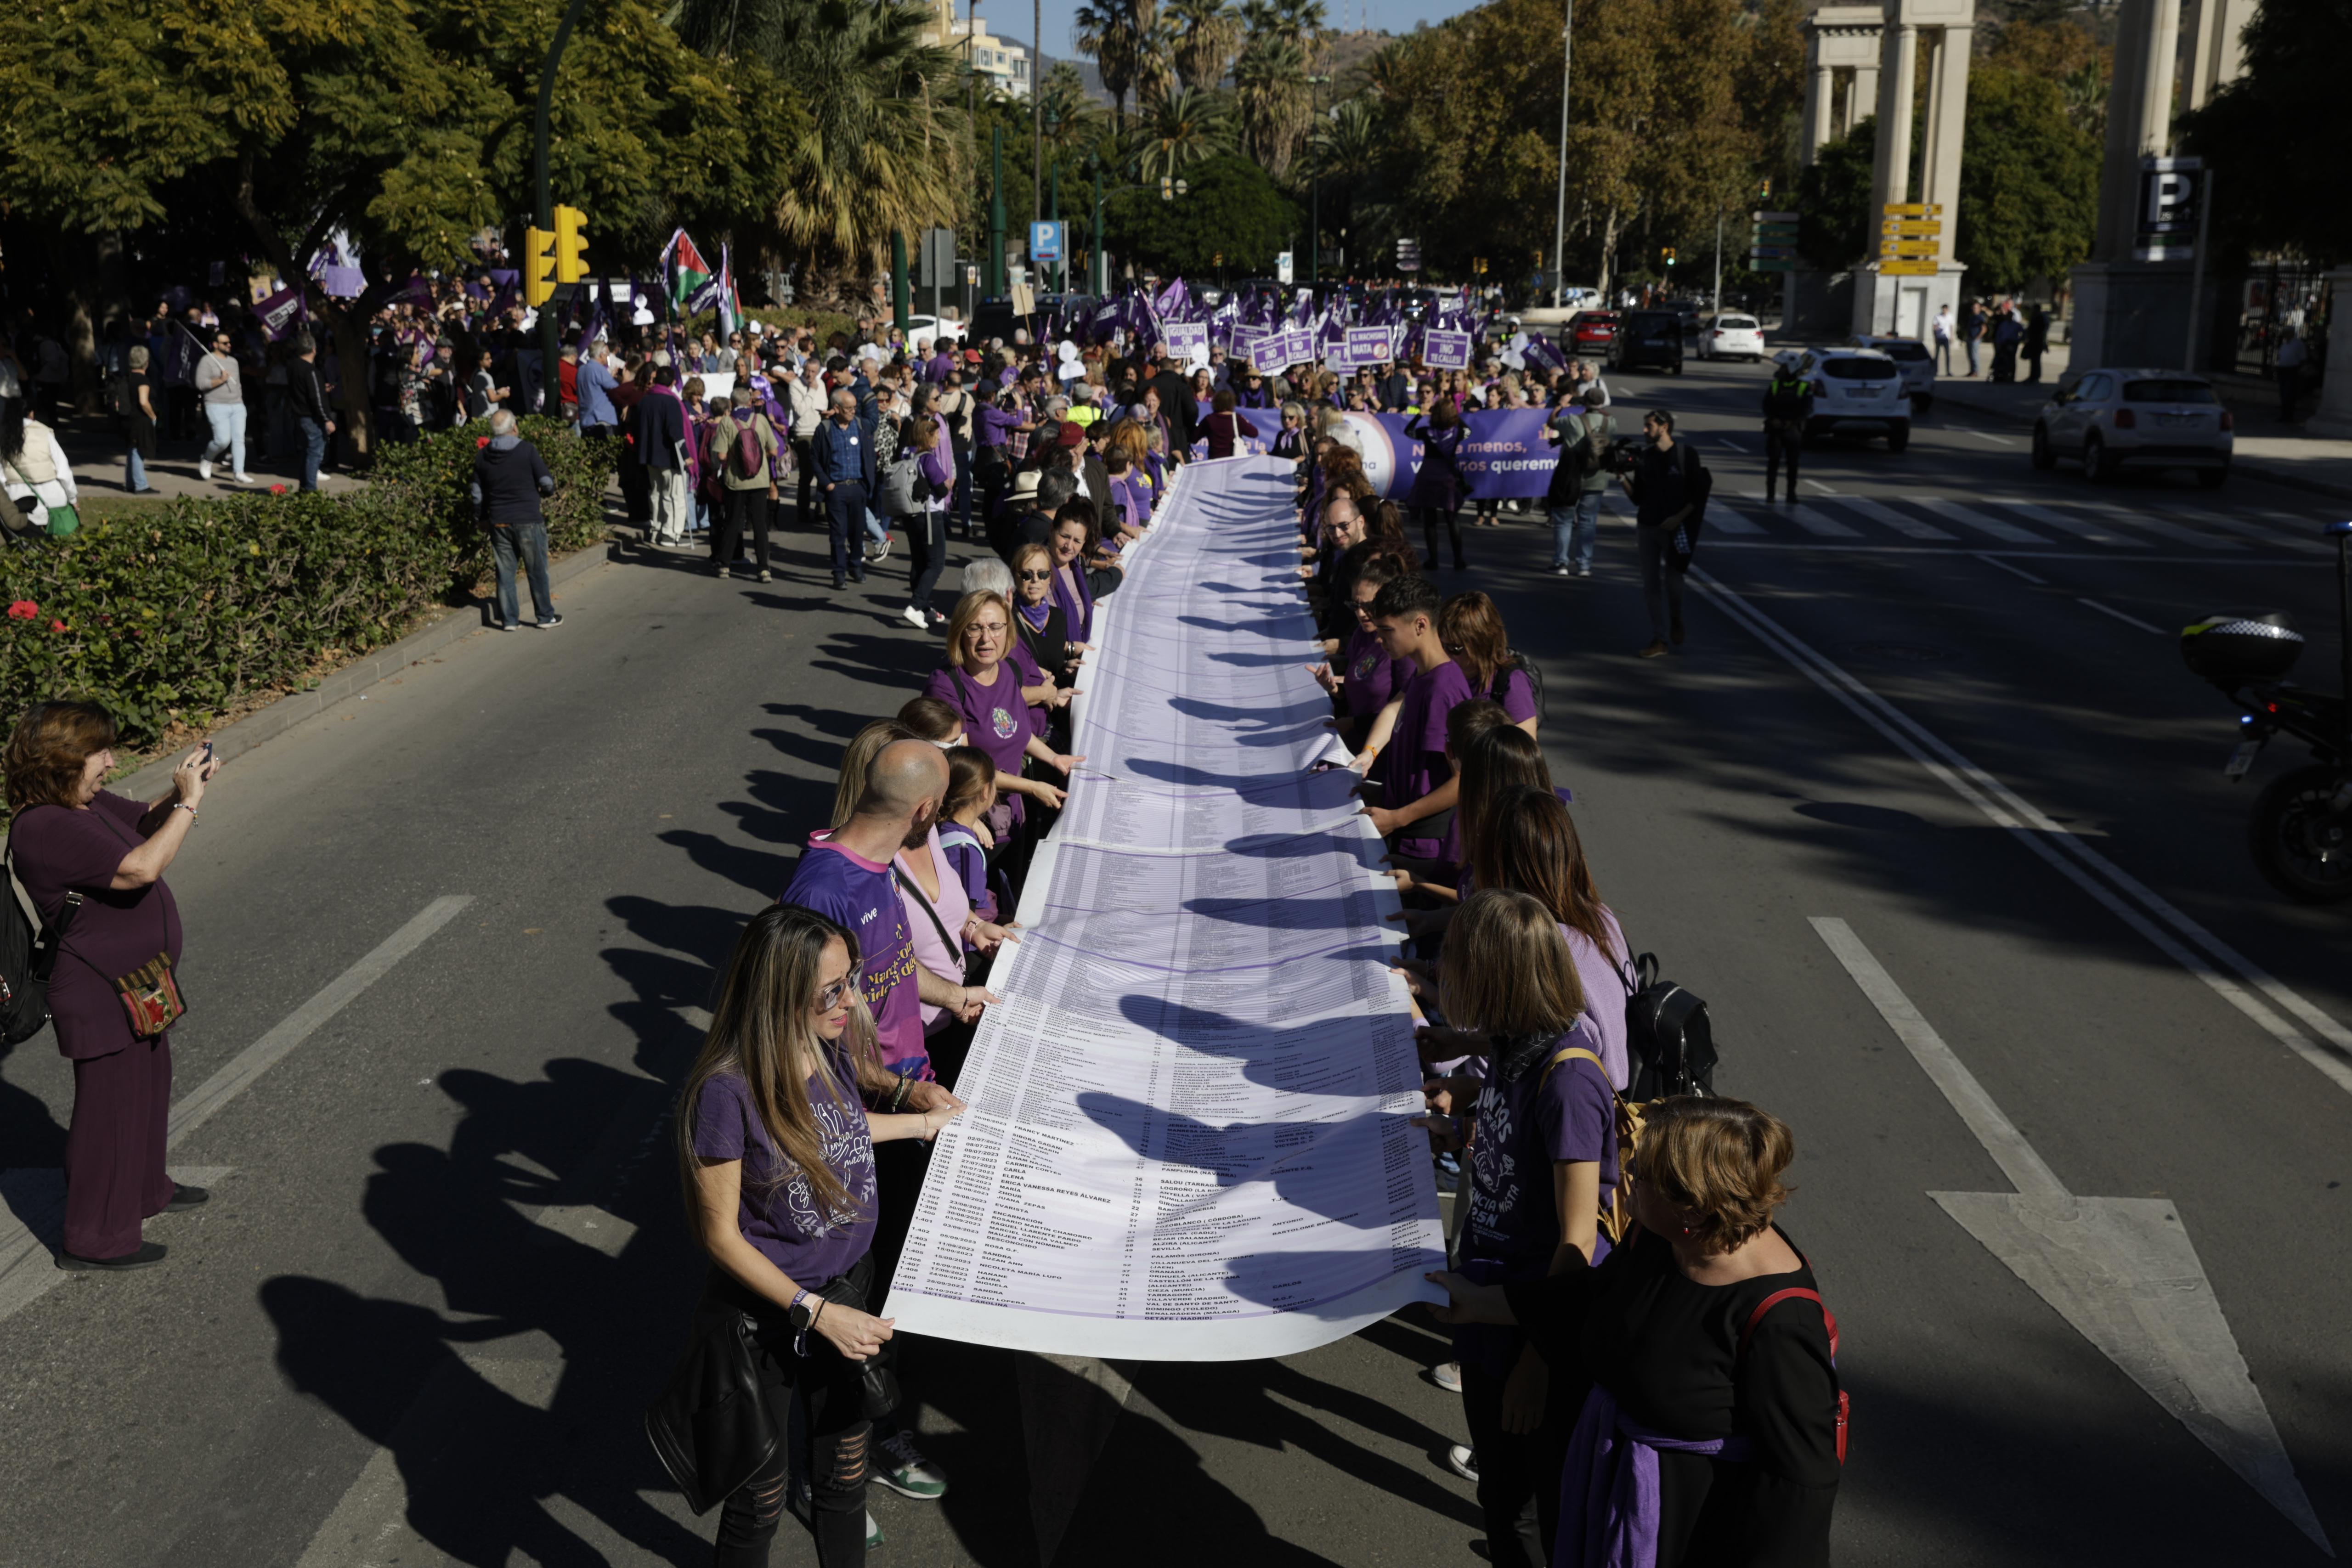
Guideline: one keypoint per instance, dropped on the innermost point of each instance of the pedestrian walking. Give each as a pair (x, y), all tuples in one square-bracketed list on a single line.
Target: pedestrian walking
[(2288, 369), (1788, 410), (926, 525), (846, 474), (2036, 342), (484, 396), (36, 474), (804, 400), (2007, 333), (1972, 326), (1581, 429), (777, 1131), (1942, 334), (138, 420), (744, 449), (1437, 485), (222, 384), (600, 419), (1664, 485), (510, 479), (93, 862)]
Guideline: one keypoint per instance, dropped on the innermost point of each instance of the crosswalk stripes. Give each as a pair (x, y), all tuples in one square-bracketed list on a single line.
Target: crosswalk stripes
[(1722, 519), (2291, 533), (2155, 522), (2066, 523), (1969, 518), (1901, 522)]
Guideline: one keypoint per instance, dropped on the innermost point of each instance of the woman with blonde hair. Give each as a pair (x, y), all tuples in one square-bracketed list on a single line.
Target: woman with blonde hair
[(775, 1145), (1714, 1431), (1543, 1162), (981, 681), (1471, 631)]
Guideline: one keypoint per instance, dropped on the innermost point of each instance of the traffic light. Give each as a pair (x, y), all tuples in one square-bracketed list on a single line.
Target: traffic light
[(538, 267), (1218, 259), (1669, 253), (570, 245)]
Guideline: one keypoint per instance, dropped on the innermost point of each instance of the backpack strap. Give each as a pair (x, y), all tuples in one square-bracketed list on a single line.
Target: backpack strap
[(1774, 1300), (1572, 1052)]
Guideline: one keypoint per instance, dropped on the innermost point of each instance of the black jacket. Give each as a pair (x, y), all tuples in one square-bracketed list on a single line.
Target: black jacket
[(303, 392), (658, 424), (510, 476)]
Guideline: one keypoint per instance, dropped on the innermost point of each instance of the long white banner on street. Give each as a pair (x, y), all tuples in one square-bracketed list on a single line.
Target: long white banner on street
[(1190, 1130)]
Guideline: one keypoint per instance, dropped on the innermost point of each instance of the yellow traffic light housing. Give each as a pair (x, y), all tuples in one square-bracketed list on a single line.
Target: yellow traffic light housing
[(1669, 253), (538, 267), (570, 245)]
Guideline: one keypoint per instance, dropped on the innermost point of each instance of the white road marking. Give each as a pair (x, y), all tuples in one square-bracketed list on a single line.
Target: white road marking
[(239, 1073), (2013, 571), (2157, 522), (37, 1199), (2165, 928), (1931, 550), (2297, 540), (1729, 445), (1987, 435), (1813, 520), (1901, 522), (2121, 1270), (1825, 489), (2064, 523), (1722, 519), (1969, 518), (27, 1270), (2126, 620)]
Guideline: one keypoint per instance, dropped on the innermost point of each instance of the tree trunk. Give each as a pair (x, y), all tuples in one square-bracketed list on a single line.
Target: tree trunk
[(342, 321), (1608, 255), (77, 261)]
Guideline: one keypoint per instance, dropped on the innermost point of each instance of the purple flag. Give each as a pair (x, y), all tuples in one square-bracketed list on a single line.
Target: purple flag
[(417, 291), (1540, 353), (279, 313)]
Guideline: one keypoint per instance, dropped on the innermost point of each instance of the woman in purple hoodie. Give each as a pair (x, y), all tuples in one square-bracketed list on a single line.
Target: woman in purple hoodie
[(927, 529)]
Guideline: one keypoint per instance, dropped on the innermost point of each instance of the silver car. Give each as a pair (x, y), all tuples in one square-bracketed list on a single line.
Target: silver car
[(2152, 418)]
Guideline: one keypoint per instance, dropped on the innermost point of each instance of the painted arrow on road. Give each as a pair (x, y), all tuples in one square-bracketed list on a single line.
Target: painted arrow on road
[(2121, 1270)]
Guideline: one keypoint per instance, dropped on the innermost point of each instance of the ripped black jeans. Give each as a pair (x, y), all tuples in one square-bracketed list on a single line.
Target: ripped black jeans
[(832, 1397)]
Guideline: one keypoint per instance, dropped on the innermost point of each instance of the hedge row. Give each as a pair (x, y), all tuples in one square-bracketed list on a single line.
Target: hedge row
[(175, 613)]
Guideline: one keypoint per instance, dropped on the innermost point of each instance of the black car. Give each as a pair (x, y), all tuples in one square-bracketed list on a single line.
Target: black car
[(1648, 338)]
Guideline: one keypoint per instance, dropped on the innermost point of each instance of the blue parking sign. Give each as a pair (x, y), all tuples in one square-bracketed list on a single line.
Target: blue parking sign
[(1045, 242)]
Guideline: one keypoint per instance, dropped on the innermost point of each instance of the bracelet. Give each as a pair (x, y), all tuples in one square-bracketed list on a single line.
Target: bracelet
[(900, 1097), (183, 806)]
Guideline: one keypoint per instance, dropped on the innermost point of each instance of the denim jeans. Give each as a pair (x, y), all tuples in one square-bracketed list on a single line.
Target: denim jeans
[(314, 450), (227, 419), (531, 540), (875, 528), (1573, 530), (845, 508), (134, 472)]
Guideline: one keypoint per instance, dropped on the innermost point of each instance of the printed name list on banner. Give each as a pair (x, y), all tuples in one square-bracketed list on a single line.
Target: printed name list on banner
[(1190, 1130)]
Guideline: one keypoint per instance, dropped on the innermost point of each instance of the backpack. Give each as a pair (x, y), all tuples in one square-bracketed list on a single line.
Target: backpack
[(1669, 1034), (1592, 451), (28, 955), (1828, 1317), (747, 456)]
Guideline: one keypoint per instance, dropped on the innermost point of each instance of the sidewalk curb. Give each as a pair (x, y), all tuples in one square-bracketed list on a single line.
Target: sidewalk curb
[(2253, 468), (267, 724)]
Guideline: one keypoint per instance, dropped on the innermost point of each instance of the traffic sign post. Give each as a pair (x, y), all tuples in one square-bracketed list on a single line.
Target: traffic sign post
[(1902, 268), (1914, 209), (1045, 242)]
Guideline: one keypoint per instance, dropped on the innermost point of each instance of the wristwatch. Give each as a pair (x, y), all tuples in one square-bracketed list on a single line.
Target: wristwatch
[(803, 1311)]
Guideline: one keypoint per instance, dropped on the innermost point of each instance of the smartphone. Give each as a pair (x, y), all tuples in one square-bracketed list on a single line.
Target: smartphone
[(208, 751)]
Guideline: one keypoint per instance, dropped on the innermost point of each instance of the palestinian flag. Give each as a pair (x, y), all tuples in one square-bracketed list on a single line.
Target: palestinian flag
[(690, 276), (731, 308)]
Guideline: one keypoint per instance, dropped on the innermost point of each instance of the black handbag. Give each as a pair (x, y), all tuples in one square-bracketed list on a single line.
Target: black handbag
[(711, 1427)]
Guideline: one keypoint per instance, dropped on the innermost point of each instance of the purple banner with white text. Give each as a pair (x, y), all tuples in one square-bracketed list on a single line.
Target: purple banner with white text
[(1504, 457)]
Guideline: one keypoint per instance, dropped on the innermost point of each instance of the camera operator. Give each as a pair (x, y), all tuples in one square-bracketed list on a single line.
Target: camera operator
[(1663, 481), (1581, 429)]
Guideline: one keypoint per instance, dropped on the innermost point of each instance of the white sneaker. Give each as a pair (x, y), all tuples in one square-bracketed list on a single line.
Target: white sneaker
[(204, 469), (1447, 1375), (916, 618), (244, 478), (904, 1470), (1463, 1460)]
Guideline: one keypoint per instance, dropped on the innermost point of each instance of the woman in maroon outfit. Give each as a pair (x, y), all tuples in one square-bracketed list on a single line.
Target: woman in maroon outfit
[(70, 836)]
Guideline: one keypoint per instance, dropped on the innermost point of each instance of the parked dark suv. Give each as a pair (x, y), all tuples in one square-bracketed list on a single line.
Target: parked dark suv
[(1651, 339)]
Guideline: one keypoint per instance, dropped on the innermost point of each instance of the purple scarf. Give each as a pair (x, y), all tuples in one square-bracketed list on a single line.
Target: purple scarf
[(1609, 1487), (1036, 614), (1077, 609)]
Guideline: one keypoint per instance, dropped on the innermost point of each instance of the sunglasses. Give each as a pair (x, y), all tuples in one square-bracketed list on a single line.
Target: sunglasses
[(1035, 576), (830, 998)]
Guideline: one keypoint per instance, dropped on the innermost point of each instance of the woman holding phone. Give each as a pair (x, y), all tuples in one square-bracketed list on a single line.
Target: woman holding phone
[(776, 1135), (93, 864)]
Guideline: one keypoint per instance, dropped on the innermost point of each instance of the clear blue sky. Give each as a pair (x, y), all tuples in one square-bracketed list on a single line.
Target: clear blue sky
[(1010, 19)]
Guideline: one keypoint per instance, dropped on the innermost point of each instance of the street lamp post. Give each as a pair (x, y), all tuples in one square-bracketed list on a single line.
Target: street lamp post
[(1315, 188), (1102, 280), (1036, 107), (550, 353), (1559, 225), (996, 212)]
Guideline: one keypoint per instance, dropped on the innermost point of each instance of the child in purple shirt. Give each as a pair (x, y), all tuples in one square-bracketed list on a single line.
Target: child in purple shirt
[(1406, 753)]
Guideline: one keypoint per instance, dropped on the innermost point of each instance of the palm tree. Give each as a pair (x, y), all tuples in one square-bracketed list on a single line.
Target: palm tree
[(1275, 100), (1105, 35), (883, 146), (1189, 127), (1208, 32), (1155, 57)]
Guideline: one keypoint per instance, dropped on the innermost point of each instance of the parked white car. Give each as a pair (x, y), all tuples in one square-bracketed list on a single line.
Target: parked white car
[(2154, 419), (1917, 365), (934, 328), (1729, 336), (1856, 391)]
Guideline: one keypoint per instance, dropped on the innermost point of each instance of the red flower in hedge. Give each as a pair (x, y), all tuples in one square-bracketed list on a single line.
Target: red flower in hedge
[(480, 443), (24, 610), (278, 489), (57, 625)]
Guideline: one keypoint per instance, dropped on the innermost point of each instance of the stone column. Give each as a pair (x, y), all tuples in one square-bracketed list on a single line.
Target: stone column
[(1864, 101), (2219, 31), (2333, 417), (2139, 118), (1820, 95), (1948, 113), (1890, 178)]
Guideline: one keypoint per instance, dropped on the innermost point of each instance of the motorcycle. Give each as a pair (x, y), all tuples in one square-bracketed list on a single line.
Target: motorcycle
[(2301, 834)]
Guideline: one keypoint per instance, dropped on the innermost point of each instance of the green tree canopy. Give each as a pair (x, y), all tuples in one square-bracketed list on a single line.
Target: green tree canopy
[(2029, 187), (1232, 209), (2275, 136)]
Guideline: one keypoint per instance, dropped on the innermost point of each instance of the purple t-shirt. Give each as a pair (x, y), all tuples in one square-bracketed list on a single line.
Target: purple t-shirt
[(1414, 763), (781, 1217), (863, 897), (995, 719), (1603, 980), (1371, 676), (1525, 1125), (59, 849), (1515, 690)]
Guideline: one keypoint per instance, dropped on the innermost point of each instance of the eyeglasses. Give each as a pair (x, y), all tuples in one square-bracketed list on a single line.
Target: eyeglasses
[(830, 998), (1035, 576)]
